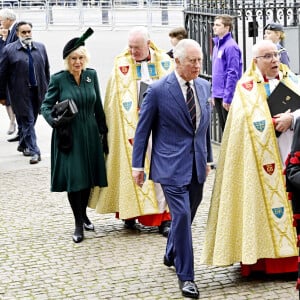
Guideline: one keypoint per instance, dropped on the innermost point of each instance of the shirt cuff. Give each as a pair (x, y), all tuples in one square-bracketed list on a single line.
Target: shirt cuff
[(137, 169)]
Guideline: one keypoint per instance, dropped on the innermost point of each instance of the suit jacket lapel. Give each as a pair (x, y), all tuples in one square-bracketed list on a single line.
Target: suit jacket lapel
[(202, 102), (199, 92), (175, 90)]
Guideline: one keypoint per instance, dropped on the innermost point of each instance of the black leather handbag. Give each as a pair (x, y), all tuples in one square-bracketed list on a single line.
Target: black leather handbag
[(64, 112)]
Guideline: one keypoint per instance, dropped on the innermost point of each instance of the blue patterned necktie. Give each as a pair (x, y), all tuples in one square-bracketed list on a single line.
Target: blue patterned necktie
[(32, 80), (190, 102)]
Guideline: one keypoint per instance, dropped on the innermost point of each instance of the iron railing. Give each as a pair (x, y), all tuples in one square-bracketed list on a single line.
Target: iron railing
[(250, 17)]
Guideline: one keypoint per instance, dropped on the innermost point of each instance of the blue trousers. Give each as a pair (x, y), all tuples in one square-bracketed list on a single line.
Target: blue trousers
[(183, 202), (27, 123)]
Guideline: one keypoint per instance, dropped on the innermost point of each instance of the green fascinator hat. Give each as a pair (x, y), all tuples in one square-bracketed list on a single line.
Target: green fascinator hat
[(75, 43)]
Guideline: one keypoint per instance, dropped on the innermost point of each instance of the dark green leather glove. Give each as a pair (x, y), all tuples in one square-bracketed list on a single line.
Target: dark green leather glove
[(104, 143)]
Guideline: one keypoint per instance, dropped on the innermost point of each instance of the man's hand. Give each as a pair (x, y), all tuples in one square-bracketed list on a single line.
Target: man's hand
[(226, 106), (208, 168), (138, 177), (283, 121)]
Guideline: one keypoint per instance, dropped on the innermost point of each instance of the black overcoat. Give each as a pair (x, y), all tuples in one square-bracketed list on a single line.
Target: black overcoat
[(14, 75)]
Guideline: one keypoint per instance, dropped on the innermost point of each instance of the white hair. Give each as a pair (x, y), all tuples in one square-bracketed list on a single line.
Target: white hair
[(180, 49), (261, 44), (6, 13), (141, 31)]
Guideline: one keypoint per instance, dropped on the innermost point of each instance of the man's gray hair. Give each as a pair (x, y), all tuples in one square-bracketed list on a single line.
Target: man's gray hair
[(180, 49), (261, 44), (140, 30), (7, 13)]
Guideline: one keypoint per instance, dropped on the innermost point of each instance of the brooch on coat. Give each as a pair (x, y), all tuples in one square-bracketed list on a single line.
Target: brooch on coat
[(88, 79)]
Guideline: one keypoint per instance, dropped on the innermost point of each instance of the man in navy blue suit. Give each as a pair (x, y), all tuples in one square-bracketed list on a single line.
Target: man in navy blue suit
[(24, 76), (181, 152)]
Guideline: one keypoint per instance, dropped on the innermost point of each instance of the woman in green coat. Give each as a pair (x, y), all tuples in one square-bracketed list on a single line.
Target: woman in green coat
[(77, 158)]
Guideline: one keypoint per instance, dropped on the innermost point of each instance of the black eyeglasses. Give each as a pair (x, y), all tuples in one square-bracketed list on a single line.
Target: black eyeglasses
[(269, 56)]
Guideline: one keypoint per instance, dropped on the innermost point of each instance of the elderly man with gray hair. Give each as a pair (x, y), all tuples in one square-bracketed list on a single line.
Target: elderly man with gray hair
[(140, 64), (176, 111), (8, 35)]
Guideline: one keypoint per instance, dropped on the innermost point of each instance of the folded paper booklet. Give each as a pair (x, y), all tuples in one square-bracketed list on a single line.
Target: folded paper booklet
[(282, 99), (143, 88)]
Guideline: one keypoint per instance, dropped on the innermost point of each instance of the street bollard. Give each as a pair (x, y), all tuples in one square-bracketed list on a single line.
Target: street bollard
[(105, 6), (164, 13)]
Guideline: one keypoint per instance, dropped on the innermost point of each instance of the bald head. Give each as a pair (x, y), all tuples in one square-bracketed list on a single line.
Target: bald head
[(266, 58)]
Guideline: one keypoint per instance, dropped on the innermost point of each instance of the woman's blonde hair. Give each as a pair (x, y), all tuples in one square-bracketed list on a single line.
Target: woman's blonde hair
[(82, 50)]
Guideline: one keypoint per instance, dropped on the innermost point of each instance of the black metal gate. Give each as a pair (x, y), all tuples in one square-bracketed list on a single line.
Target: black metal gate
[(250, 17)]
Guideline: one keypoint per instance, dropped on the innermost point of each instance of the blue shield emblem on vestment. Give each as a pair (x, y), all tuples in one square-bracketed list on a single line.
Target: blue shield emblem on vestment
[(278, 212), (127, 105), (260, 125), (165, 65)]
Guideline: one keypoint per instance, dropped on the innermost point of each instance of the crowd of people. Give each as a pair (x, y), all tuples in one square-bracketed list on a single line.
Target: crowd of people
[(24, 78), (144, 151)]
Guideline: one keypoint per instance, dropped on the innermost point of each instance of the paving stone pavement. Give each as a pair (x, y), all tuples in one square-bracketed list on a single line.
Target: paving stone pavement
[(38, 259)]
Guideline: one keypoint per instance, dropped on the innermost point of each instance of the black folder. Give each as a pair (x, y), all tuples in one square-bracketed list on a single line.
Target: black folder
[(282, 99), (143, 88)]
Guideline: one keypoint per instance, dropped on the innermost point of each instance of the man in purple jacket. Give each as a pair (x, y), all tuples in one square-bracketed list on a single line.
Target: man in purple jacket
[(227, 66)]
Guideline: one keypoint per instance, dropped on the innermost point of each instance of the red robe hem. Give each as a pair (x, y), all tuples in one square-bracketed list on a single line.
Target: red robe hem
[(152, 220), (272, 266)]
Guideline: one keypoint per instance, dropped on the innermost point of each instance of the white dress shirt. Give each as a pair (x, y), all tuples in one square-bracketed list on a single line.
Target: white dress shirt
[(183, 87)]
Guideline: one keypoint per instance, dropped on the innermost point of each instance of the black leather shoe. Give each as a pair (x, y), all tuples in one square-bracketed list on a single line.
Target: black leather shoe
[(14, 139), (35, 158), (164, 228), (20, 148), (89, 227), (78, 234), (130, 224), (167, 262), (189, 289), (26, 152)]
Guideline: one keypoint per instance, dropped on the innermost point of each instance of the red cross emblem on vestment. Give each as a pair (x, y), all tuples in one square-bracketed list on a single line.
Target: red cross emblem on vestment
[(269, 168), (248, 85), (124, 69)]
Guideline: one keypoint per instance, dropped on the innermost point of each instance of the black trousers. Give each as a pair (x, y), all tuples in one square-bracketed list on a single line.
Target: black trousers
[(221, 111)]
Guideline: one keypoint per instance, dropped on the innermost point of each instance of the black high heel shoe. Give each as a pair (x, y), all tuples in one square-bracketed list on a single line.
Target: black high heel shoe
[(88, 225), (78, 234)]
